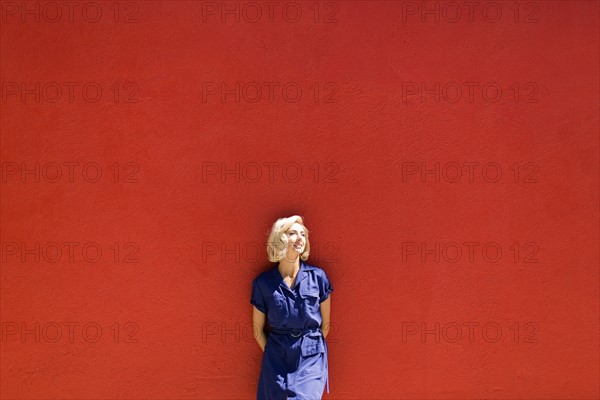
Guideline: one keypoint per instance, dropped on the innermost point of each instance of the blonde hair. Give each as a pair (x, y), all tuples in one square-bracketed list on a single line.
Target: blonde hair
[(278, 241)]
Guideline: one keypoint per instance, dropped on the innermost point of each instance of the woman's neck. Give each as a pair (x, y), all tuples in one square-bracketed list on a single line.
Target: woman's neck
[(289, 268)]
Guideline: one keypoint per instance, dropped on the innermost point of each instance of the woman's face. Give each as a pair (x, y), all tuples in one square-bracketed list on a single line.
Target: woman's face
[(296, 239)]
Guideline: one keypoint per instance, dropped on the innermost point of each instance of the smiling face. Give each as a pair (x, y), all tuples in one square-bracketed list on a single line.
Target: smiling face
[(296, 239), (288, 240)]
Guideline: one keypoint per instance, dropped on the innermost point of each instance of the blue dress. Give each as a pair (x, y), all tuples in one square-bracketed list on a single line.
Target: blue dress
[(294, 364)]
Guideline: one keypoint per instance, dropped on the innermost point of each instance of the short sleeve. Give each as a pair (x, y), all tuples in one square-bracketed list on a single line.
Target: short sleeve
[(325, 287), (257, 299)]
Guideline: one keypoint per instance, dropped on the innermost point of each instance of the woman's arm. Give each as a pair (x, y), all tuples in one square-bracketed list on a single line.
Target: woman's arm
[(258, 324), (326, 314)]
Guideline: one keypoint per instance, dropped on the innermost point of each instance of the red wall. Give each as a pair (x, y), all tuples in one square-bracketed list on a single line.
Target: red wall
[(447, 171)]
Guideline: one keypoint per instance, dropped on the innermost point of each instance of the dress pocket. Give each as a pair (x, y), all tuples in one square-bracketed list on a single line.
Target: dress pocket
[(313, 357), (310, 300), (311, 345)]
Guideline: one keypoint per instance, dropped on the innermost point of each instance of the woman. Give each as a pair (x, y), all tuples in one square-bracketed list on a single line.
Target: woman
[(294, 297)]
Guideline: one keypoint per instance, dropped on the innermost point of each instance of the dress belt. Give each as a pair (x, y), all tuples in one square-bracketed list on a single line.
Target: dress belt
[(301, 332), (296, 332)]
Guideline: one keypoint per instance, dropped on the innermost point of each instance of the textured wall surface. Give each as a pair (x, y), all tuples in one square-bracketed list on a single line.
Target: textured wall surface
[(444, 156)]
